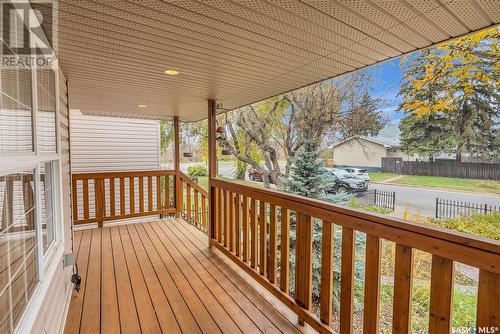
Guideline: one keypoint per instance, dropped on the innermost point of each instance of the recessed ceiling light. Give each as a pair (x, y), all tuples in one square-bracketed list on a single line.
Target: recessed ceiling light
[(142, 106), (171, 72)]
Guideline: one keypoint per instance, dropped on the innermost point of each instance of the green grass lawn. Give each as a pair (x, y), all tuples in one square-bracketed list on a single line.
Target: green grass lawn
[(480, 186), (381, 176)]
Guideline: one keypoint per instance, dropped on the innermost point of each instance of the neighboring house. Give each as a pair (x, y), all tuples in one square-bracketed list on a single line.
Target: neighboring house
[(363, 151)]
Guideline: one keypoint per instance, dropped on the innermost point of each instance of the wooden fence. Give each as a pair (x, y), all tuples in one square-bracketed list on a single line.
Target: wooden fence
[(447, 168)]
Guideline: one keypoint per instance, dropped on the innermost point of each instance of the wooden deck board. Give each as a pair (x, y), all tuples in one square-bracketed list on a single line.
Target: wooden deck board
[(161, 277)]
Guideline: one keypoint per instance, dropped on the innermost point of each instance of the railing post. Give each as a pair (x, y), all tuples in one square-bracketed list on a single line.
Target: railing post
[(178, 184), (212, 169)]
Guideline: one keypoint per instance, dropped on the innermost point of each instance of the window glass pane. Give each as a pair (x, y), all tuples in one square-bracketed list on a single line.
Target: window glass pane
[(18, 273), (46, 115), (15, 110), (47, 195)]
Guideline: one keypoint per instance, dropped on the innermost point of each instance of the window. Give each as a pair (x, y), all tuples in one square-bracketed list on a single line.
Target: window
[(48, 176), (16, 122), (29, 180), (18, 265)]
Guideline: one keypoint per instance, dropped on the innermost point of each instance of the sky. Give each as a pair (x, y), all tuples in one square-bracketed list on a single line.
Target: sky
[(386, 84)]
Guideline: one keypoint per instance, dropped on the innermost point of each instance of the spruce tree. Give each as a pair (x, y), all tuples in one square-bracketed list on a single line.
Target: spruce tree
[(307, 175)]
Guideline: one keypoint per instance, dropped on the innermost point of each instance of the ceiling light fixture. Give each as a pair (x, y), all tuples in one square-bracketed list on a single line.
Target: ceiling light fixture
[(142, 106), (171, 72)]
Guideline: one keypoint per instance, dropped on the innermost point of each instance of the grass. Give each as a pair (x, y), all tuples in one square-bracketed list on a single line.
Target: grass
[(470, 185), (381, 176)]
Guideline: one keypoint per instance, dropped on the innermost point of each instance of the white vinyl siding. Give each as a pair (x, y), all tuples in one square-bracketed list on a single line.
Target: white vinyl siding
[(101, 143)]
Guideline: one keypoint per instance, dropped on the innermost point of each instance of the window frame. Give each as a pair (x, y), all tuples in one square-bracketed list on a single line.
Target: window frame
[(15, 162)]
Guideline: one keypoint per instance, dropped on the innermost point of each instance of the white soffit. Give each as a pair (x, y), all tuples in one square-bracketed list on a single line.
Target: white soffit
[(237, 52)]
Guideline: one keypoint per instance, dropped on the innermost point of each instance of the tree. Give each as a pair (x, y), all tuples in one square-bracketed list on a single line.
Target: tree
[(362, 118), (281, 125), (459, 82), (308, 176)]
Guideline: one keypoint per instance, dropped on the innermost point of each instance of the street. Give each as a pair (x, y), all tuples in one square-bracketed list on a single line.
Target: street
[(423, 200)]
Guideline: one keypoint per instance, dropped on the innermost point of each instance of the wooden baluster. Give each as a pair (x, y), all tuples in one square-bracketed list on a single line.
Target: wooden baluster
[(150, 193), (74, 195), (263, 238), (303, 263), (168, 182), (231, 222), (402, 290), (215, 211), (326, 272), (196, 208), (285, 251), (204, 211), (132, 194), (141, 193), (273, 245), (372, 284), (189, 211), (237, 222), (180, 198), (122, 196), (85, 192), (158, 193), (220, 215), (226, 218), (112, 208), (442, 280), (347, 280), (99, 203), (488, 300), (253, 233), (244, 223)]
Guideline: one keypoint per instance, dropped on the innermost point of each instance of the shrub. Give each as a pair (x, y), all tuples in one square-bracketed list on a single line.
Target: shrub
[(487, 225), (197, 170)]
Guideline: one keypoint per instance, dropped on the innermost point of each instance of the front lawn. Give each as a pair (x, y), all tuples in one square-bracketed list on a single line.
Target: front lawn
[(381, 176), (471, 185)]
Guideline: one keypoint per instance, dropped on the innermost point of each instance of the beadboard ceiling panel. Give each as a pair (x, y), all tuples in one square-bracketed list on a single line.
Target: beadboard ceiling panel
[(114, 52)]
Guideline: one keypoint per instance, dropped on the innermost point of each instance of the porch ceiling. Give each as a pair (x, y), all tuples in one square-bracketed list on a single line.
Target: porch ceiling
[(238, 51)]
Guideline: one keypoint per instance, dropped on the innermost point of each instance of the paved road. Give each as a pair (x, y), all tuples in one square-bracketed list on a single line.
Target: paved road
[(414, 200), (423, 201)]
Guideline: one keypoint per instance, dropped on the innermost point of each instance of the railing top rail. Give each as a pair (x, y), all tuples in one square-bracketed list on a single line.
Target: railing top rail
[(106, 175), (361, 219), (193, 184)]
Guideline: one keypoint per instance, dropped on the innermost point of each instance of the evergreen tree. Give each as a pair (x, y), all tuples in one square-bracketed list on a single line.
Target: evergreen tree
[(451, 97), (308, 177)]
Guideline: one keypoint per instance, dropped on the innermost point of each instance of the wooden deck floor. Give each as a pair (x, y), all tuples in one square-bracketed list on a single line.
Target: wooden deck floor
[(160, 277)]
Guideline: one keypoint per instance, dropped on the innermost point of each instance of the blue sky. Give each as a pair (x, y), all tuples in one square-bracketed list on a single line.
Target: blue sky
[(386, 83)]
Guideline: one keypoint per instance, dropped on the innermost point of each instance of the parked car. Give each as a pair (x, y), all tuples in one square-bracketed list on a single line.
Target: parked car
[(345, 181), (255, 175), (359, 173)]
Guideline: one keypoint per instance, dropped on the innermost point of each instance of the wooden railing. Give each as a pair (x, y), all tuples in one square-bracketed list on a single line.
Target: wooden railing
[(192, 201), (100, 197), (245, 228)]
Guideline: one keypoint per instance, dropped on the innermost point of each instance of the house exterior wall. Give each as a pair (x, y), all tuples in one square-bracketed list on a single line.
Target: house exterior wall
[(101, 143), (106, 144), (360, 153), (397, 153)]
